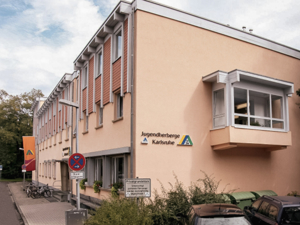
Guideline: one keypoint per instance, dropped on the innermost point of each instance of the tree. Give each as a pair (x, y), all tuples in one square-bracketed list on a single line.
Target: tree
[(16, 120)]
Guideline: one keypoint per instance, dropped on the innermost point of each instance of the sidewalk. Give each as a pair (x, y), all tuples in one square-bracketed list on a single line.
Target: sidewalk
[(38, 211)]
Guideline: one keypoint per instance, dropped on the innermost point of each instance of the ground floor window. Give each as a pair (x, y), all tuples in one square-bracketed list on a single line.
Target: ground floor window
[(49, 169), (54, 170), (118, 170)]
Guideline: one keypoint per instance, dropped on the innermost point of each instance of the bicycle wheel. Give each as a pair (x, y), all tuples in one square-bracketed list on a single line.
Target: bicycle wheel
[(28, 192), (45, 194)]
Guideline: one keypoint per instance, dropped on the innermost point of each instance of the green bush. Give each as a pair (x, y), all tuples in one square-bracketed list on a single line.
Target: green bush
[(96, 186), (81, 184), (171, 207), (121, 212)]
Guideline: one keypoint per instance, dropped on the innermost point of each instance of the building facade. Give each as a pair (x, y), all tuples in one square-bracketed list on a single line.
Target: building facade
[(164, 92)]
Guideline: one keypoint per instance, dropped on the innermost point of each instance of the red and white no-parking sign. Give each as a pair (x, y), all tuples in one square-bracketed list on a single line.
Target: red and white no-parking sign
[(76, 162)]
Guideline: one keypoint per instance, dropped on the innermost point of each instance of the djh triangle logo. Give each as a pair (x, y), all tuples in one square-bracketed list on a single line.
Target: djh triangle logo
[(185, 141), (29, 152)]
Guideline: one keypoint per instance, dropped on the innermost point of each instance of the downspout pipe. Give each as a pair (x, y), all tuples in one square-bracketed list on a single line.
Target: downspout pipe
[(132, 153)]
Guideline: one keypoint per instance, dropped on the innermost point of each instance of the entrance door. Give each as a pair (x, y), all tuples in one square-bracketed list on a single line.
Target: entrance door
[(65, 177)]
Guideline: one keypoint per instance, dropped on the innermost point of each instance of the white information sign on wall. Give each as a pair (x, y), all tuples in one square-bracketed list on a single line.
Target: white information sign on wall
[(77, 175), (138, 188)]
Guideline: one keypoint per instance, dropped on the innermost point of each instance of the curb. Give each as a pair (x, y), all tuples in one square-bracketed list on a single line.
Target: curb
[(17, 205)]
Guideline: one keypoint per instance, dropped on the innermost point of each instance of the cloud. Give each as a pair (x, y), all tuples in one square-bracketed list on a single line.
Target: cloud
[(40, 42)]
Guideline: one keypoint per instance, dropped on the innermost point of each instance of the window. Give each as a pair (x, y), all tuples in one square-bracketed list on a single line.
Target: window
[(99, 169), (118, 44), (254, 108), (84, 77), (54, 170), (219, 108), (49, 169), (99, 111), (263, 209), (100, 63), (85, 122), (273, 212), (246, 100), (118, 170), (256, 204), (119, 106)]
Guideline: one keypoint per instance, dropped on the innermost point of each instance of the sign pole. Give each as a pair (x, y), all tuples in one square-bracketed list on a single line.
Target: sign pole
[(77, 183)]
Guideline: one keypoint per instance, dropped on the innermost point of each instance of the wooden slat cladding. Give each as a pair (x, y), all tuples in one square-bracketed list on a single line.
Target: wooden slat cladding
[(91, 88), (117, 74), (125, 55), (84, 99), (98, 89), (106, 71)]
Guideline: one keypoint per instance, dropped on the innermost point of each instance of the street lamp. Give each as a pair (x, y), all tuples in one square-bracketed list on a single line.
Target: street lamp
[(73, 104), (22, 149)]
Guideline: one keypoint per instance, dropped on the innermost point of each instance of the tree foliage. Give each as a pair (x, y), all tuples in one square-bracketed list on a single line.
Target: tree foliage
[(16, 120)]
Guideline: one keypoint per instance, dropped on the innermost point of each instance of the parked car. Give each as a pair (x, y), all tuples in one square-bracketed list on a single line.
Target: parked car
[(275, 210), (218, 214)]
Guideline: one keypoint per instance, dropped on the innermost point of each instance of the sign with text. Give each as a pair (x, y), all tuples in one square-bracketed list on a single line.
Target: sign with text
[(77, 175), (138, 188)]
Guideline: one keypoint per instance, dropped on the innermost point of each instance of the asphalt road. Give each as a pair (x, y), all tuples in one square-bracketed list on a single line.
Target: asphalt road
[(8, 212)]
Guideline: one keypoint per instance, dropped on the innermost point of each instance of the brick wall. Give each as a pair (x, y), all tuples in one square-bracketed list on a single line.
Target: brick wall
[(117, 74), (106, 72), (91, 88), (125, 55)]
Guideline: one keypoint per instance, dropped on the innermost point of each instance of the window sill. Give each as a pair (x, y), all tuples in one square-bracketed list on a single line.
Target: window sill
[(85, 132), (118, 119), (50, 146), (117, 59), (98, 75), (84, 88), (54, 145), (67, 139), (98, 127), (60, 142), (46, 148), (54, 178), (42, 175)]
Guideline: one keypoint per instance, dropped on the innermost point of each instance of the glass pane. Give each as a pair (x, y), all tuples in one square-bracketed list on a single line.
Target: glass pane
[(120, 170), (241, 120), (263, 208), (273, 212), (276, 107), (118, 45), (277, 124), (259, 104), (260, 122), (100, 63), (219, 107), (291, 214), (219, 121), (240, 101)]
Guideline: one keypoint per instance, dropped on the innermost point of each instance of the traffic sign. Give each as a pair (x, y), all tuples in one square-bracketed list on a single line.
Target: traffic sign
[(76, 161), (77, 175)]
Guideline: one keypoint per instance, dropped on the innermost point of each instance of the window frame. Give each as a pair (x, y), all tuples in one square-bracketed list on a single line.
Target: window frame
[(114, 175), (119, 106), (116, 44), (96, 169), (85, 77), (99, 63), (271, 91)]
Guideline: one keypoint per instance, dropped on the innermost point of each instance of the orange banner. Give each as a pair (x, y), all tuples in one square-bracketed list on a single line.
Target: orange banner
[(29, 152)]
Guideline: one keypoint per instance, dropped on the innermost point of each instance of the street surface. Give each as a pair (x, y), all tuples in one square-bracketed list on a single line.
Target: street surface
[(8, 212)]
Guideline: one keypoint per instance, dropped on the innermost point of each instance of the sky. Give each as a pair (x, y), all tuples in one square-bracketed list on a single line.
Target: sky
[(40, 39)]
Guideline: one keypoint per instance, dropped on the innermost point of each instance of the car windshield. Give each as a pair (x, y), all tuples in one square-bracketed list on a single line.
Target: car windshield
[(222, 221), (291, 215)]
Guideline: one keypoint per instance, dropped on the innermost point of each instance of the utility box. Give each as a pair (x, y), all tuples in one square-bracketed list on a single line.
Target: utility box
[(264, 192), (242, 199), (76, 217)]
